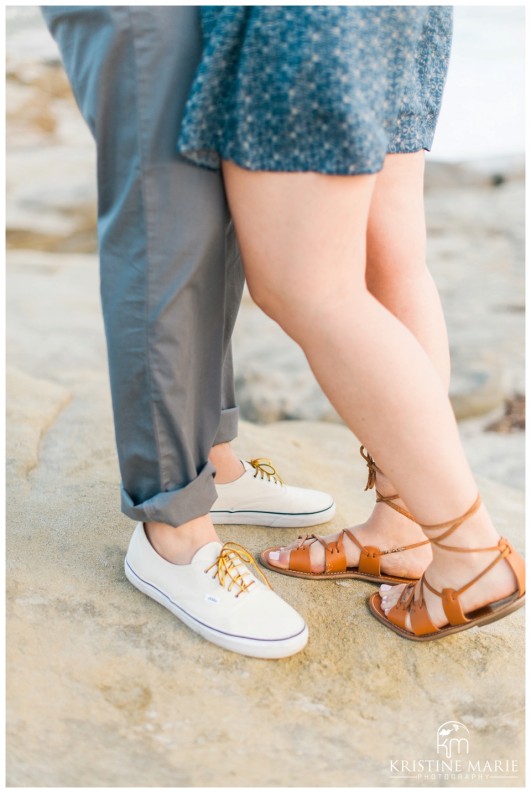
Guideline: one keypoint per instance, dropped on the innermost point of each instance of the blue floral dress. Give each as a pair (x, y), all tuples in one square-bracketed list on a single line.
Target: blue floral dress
[(330, 89)]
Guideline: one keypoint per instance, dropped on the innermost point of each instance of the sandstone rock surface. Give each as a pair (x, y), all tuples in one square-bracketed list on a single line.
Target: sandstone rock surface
[(106, 688)]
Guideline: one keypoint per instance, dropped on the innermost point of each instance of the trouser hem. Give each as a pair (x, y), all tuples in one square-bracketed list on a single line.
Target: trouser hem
[(178, 506), (228, 426)]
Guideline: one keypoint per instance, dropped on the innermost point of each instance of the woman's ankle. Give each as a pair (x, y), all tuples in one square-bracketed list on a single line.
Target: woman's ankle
[(385, 488), (379, 481), (477, 531)]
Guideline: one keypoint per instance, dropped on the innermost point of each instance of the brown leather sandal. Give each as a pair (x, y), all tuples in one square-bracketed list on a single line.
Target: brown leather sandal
[(412, 599), (335, 559)]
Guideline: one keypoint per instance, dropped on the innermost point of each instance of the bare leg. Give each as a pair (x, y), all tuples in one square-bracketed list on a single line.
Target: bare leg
[(302, 238), (396, 272), (397, 276), (396, 267)]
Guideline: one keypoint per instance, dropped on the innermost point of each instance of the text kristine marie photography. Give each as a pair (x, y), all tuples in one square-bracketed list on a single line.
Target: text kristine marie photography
[(456, 760)]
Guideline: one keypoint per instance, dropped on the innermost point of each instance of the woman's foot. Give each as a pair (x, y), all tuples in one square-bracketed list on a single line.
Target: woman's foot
[(454, 570), (389, 527), (385, 529)]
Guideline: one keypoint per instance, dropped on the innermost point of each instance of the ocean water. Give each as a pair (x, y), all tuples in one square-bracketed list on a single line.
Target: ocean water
[(483, 108)]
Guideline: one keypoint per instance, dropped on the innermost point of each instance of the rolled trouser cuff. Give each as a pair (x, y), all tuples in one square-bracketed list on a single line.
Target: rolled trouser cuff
[(228, 426), (178, 506)]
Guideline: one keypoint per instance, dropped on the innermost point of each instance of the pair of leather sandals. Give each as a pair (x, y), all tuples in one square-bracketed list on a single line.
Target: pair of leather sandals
[(411, 602)]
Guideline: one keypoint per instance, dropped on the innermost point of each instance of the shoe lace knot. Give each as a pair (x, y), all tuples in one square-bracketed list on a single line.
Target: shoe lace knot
[(266, 468), (230, 559)]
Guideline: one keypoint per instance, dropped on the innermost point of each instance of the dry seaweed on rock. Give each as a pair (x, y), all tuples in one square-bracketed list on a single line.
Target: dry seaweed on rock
[(513, 419)]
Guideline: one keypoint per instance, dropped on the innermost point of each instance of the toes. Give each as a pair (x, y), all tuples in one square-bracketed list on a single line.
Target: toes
[(390, 596), (284, 557), (280, 557)]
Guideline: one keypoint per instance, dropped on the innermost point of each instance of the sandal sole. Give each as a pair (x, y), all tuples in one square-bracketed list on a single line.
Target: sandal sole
[(483, 616)]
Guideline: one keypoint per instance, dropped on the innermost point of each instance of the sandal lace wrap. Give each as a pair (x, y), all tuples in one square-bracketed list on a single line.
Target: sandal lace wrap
[(412, 599), (371, 482), (231, 557), (335, 563)]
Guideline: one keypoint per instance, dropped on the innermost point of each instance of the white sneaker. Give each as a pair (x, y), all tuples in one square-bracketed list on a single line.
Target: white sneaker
[(260, 498), (218, 597)]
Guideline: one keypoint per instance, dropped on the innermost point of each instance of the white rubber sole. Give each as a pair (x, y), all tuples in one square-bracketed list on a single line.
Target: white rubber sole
[(267, 648), (277, 519)]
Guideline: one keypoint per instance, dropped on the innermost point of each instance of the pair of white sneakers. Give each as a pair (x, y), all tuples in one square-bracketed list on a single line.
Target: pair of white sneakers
[(221, 594)]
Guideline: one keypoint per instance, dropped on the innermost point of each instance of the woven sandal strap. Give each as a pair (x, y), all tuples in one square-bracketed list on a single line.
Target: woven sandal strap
[(371, 482), (304, 538), (418, 613), (397, 615), (504, 549), (455, 549), (453, 524), (316, 537), (353, 538), (299, 557), (335, 559), (383, 553), (389, 501), (412, 602), (370, 555), (416, 607)]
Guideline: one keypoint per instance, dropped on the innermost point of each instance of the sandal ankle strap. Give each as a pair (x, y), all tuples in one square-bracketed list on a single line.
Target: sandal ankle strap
[(450, 597), (371, 482), (412, 600), (453, 525), (373, 468), (388, 500)]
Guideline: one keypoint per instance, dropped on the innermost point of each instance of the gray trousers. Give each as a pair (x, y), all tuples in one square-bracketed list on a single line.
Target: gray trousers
[(171, 277)]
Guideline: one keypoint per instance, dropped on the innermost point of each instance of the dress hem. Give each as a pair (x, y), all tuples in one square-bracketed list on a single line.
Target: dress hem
[(213, 163)]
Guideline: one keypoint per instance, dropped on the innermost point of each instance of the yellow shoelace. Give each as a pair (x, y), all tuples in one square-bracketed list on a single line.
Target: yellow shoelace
[(265, 467), (231, 556)]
